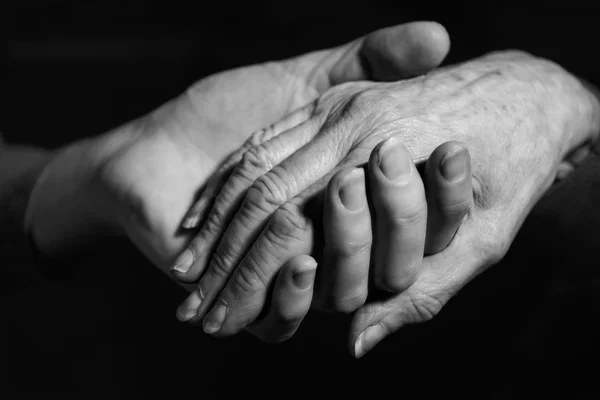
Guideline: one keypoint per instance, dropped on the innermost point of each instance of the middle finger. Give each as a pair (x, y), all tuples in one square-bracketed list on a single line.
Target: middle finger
[(401, 215)]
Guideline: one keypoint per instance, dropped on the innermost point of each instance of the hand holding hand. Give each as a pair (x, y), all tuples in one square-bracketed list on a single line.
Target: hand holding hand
[(519, 117), (142, 178), (390, 231)]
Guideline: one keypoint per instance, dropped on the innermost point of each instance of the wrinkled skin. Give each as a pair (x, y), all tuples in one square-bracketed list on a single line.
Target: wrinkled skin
[(187, 138), (519, 116), (142, 177)]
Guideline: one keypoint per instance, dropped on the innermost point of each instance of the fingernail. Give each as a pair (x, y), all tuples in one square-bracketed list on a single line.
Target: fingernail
[(214, 320), (304, 278), (454, 166), (394, 160), (191, 221), (188, 309), (352, 190), (367, 340), (184, 262)]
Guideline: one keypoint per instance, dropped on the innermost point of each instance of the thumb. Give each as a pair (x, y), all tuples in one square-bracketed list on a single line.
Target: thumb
[(393, 53), (375, 321), (442, 275)]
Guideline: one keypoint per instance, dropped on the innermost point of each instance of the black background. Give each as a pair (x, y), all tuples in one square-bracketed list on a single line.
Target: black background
[(72, 69)]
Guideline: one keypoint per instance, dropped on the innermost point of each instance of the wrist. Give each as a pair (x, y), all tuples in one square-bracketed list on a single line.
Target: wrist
[(66, 211)]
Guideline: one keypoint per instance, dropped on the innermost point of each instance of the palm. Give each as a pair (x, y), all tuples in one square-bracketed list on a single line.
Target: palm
[(237, 102)]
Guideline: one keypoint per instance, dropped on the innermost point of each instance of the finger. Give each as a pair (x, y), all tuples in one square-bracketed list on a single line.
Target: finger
[(291, 301), (291, 120), (266, 194), (207, 194), (449, 193), (259, 159), (343, 279), (441, 276), (243, 298), (392, 53), (401, 215)]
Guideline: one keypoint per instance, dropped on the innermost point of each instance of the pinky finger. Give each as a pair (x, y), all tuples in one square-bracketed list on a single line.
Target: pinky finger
[(210, 190), (292, 297), (214, 183)]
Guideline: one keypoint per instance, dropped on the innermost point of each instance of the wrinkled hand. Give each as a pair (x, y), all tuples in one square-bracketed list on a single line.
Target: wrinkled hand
[(519, 117), (179, 145), (388, 230), (143, 177)]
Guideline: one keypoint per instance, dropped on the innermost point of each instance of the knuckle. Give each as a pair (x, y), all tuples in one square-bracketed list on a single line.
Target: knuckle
[(221, 263), (410, 215), (249, 277), (256, 158), (424, 307), (373, 101), (216, 217), (258, 137), (365, 99), (234, 159), (287, 223), (253, 162), (267, 193), (246, 281), (254, 208)]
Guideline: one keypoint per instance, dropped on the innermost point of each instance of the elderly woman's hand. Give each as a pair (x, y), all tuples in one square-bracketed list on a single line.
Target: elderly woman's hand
[(358, 228), (518, 115)]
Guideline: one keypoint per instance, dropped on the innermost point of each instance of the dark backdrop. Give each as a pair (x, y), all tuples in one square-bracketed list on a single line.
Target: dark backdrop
[(73, 68)]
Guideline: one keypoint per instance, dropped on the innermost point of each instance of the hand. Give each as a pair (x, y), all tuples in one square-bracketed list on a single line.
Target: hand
[(398, 214), (365, 248), (516, 144), (142, 178)]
